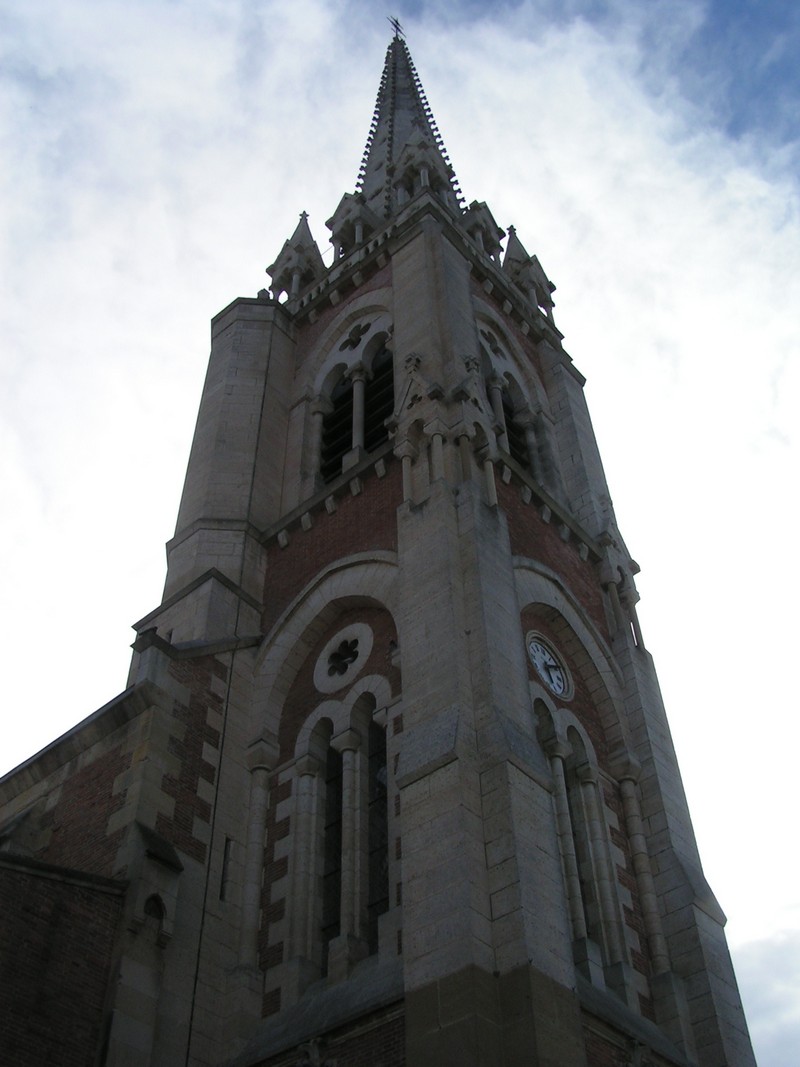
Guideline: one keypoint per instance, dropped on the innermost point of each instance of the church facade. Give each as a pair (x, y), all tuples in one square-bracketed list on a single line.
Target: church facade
[(392, 782)]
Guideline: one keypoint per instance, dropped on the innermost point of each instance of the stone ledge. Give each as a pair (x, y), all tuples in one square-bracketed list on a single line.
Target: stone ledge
[(66, 875), (374, 985), (119, 711)]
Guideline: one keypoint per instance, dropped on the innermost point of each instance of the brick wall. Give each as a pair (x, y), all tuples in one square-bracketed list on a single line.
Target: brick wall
[(56, 938), (531, 536), (78, 836), (359, 524)]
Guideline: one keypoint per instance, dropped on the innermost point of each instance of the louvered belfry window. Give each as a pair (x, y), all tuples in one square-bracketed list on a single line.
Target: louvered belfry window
[(515, 435), (379, 400), (337, 424), (337, 430)]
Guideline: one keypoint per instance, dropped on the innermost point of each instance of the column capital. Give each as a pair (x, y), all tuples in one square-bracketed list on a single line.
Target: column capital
[(321, 405), (626, 768), (587, 774), (357, 372), (346, 741), (405, 450), (435, 425), (262, 754), (308, 765), (556, 749)]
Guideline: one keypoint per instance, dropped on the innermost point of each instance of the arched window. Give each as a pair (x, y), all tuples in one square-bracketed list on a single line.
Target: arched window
[(379, 400), (337, 430), (515, 434), (360, 403), (579, 820), (341, 847), (589, 874)]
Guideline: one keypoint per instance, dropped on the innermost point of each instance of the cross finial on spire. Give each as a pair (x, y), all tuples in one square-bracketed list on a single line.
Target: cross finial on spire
[(395, 24)]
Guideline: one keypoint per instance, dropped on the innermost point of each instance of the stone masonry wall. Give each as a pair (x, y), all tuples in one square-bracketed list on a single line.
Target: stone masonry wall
[(377, 1041), (57, 934)]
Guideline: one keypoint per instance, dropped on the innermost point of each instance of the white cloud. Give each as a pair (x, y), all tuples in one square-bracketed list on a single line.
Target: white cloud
[(769, 976), (158, 155)]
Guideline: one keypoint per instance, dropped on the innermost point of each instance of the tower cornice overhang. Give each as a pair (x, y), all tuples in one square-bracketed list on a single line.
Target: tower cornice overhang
[(263, 307), (211, 575)]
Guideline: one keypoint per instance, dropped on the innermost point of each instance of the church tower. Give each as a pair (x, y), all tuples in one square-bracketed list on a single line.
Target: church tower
[(392, 783)]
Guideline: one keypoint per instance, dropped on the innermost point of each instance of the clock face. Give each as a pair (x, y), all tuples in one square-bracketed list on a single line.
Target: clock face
[(547, 664)]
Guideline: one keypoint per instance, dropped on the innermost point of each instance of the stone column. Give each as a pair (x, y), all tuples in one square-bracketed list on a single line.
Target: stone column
[(435, 430), (495, 387), (598, 844), (349, 946), (348, 743), (487, 462), (406, 452), (557, 754), (308, 778), (320, 407), (261, 760), (644, 873), (358, 376)]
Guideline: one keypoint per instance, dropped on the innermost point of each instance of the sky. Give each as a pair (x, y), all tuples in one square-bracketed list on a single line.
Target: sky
[(157, 153)]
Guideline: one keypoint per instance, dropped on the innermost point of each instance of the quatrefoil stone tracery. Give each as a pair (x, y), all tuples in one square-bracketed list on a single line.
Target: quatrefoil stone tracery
[(343, 657), (353, 339), (340, 659)]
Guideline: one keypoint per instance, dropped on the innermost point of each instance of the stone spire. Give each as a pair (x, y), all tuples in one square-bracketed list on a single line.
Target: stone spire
[(404, 150)]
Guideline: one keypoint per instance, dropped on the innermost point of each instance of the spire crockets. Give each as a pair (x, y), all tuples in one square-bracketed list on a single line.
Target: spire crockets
[(404, 149)]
